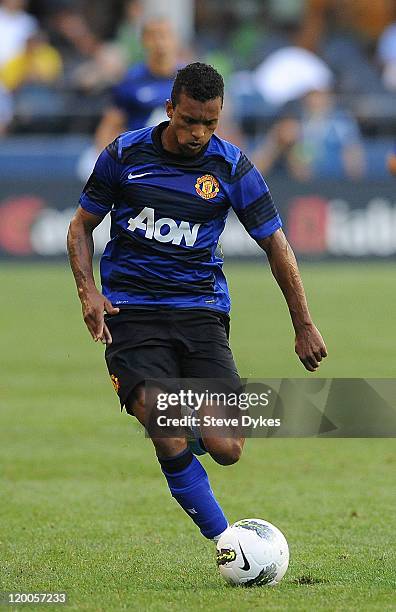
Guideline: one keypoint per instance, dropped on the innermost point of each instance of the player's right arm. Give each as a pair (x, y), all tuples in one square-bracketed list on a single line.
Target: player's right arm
[(97, 199), (80, 248)]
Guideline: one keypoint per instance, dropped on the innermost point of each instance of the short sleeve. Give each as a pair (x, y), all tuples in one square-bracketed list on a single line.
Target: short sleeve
[(100, 192), (251, 200)]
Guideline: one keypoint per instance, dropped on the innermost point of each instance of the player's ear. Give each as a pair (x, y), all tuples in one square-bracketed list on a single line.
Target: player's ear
[(169, 108)]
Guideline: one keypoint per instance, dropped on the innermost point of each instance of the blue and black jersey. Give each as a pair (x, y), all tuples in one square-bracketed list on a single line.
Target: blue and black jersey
[(167, 214), (141, 96)]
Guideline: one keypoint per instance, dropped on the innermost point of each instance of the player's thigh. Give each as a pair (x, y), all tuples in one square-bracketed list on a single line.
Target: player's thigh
[(208, 354), (141, 350), (210, 360)]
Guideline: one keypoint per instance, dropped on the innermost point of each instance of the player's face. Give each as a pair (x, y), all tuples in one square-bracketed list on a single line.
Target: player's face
[(159, 39), (192, 124)]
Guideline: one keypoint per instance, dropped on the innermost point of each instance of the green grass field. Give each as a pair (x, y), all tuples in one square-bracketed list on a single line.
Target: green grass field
[(84, 507)]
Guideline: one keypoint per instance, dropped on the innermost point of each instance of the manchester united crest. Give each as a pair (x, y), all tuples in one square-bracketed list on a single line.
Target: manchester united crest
[(116, 383), (207, 186)]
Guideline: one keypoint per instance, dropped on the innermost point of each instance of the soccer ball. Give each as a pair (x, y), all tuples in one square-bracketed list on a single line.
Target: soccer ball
[(252, 552)]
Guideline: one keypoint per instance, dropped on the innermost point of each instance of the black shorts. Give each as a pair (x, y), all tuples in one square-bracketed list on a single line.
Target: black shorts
[(152, 344)]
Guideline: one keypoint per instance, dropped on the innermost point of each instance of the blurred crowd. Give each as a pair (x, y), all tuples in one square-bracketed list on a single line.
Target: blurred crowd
[(309, 82)]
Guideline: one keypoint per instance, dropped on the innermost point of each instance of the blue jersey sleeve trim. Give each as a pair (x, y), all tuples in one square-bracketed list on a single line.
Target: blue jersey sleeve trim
[(231, 153), (252, 201), (100, 191), (133, 137), (266, 229), (93, 207)]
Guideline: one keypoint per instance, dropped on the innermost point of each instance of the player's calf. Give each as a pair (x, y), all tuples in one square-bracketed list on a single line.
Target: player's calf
[(186, 477)]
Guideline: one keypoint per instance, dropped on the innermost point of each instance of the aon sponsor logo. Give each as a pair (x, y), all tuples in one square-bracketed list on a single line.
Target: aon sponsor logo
[(164, 230)]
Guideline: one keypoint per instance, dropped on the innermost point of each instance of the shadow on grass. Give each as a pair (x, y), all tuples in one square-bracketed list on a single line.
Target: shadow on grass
[(309, 579)]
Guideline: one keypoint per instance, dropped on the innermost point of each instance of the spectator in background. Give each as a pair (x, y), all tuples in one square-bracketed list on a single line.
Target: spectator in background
[(345, 34), (37, 63), (391, 161), (272, 157), (129, 32), (139, 99), (101, 68), (365, 18), (16, 26), (289, 73), (90, 64), (321, 141), (386, 52), (66, 28), (6, 110)]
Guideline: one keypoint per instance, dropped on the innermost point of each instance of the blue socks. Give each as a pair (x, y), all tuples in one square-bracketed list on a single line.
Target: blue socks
[(189, 485)]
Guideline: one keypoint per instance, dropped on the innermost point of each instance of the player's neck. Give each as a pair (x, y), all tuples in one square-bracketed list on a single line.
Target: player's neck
[(169, 141)]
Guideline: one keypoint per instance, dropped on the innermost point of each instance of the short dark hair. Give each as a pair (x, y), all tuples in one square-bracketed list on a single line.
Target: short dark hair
[(198, 81)]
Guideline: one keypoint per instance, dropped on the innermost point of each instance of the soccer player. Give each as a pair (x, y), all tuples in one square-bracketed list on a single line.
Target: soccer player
[(138, 100), (169, 190)]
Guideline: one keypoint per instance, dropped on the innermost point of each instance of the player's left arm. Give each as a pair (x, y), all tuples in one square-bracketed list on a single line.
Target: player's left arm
[(309, 344), (252, 201)]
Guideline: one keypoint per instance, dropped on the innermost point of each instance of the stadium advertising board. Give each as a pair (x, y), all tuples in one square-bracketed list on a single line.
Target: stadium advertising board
[(323, 220)]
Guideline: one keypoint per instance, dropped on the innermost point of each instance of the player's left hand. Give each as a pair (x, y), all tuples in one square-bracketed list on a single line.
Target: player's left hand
[(310, 347)]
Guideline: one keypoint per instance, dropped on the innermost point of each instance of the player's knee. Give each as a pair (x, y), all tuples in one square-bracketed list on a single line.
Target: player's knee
[(233, 452), (225, 451), (169, 447)]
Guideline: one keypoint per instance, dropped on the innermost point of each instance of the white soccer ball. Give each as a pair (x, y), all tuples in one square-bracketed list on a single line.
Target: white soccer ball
[(252, 552)]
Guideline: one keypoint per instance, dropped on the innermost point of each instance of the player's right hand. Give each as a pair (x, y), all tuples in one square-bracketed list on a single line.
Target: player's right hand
[(94, 305)]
